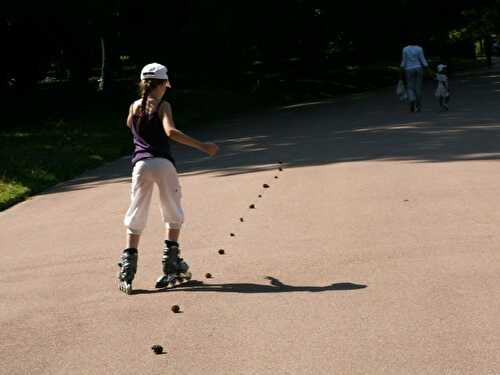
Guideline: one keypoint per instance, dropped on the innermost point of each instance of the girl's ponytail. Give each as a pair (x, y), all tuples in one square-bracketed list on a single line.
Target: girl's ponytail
[(146, 86), (145, 90)]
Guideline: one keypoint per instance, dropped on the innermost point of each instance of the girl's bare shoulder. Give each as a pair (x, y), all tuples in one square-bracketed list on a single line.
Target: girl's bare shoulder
[(165, 106), (134, 107)]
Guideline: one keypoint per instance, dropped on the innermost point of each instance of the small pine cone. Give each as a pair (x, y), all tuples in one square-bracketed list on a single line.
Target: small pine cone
[(158, 349)]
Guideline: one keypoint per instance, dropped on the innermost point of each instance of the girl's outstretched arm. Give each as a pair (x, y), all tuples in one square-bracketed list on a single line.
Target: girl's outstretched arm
[(178, 136)]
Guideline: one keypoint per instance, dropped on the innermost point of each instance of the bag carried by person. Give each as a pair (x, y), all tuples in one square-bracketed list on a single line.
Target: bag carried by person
[(401, 91)]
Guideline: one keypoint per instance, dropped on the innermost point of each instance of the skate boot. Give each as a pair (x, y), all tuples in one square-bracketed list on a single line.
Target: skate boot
[(175, 270), (128, 268)]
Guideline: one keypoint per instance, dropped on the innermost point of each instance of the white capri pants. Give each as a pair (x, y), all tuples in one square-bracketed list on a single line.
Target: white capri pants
[(145, 175)]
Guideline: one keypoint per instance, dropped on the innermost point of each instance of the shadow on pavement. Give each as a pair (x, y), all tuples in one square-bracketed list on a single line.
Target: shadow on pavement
[(275, 287), (372, 126)]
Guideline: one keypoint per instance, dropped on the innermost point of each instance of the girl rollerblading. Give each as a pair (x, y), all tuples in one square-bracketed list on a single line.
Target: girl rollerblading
[(151, 123)]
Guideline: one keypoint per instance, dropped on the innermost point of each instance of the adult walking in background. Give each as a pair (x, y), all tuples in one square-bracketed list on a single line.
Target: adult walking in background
[(413, 64)]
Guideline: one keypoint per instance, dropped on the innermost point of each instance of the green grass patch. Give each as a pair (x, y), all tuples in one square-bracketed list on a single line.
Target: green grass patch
[(12, 192), (37, 157)]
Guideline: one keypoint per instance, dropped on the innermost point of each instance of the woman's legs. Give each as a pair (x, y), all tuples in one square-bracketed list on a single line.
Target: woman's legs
[(419, 85), (410, 87), (414, 84)]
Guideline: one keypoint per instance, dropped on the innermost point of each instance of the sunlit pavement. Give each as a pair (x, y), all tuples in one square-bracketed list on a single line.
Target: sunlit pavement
[(374, 251)]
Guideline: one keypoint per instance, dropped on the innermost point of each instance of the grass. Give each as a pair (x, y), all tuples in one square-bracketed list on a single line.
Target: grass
[(12, 192), (37, 158)]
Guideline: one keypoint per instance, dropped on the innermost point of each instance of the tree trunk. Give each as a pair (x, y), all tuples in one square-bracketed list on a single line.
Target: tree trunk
[(103, 65)]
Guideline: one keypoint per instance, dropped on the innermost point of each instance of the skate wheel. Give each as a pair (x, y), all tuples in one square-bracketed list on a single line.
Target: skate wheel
[(184, 277), (125, 288)]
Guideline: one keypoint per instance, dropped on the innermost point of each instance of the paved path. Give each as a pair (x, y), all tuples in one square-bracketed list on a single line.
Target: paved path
[(376, 251)]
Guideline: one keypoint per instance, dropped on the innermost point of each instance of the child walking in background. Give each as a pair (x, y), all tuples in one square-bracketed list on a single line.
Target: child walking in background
[(442, 91), (152, 126)]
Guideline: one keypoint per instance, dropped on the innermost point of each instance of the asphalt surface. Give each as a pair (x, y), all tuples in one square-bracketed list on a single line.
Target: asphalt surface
[(375, 251)]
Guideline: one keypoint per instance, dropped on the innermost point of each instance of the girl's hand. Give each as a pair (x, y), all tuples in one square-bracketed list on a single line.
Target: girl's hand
[(210, 148)]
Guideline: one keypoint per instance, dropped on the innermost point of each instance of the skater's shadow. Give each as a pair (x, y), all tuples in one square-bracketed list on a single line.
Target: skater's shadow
[(275, 286)]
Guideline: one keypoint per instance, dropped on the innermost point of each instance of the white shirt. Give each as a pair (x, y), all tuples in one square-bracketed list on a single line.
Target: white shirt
[(413, 57), (442, 77)]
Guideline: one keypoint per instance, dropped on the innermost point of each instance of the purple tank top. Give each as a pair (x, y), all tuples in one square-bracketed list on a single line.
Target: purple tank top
[(150, 139)]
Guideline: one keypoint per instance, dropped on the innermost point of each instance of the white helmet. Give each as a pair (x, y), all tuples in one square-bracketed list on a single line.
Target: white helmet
[(155, 71)]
